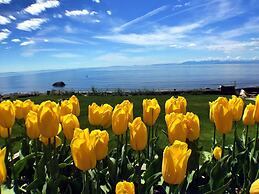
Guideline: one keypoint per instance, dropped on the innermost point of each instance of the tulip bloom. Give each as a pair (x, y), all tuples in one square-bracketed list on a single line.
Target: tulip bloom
[(128, 106), (219, 100), (18, 104), (31, 124), (256, 110), (4, 132), (7, 114), (101, 140), (237, 105), (151, 111), (222, 117), (138, 134), (254, 189), (48, 119), (69, 123), (105, 112), (176, 127), (94, 116), (27, 106), (248, 118), (76, 106), (82, 150), (119, 121), (66, 107), (177, 105), (3, 172), (217, 153), (193, 126), (125, 187), (174, 164), (45, 140)]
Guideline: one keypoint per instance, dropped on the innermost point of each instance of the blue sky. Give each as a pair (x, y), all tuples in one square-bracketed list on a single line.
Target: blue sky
[(58, 34)]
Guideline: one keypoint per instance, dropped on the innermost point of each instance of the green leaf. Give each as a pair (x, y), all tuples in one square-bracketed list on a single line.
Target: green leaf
[(151, 181), (221, 190), (21, 164)]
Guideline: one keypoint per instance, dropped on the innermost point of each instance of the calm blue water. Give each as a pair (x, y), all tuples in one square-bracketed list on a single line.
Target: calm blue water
[(175, 76)]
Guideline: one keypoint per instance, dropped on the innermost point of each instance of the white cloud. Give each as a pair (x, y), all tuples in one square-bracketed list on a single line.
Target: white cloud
[(25, 43), (96, 21), (4, 20), (66, 55), (41, 6), (32, 24), (69, 29), (4, 34), (77, 12), (93, 13), (57, 16), (109, 12), (96, 1), (16, 40), (5, 1), (12, 17)]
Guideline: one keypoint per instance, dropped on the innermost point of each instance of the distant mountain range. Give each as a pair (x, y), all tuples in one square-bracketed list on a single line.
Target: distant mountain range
[(222, 62)]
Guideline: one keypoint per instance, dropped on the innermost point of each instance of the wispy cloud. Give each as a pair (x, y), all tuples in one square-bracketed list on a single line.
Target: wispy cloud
[(41, 6), (4, 34), (109, 12), (12, 17), (141, 18), (16, 40), (96, 1), (5, 1), (66, 55), (26, 43), (77, 12), (4, 20), (31, 24)]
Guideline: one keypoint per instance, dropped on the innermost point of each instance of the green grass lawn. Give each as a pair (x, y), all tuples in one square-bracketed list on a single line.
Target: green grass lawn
[(199, 104)]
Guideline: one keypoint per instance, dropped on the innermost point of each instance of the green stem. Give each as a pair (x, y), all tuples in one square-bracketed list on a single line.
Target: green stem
[(234, 143), (126, 142), (148, 141), (256, 137), (246, 135), (214, 136), (139, 172), (85, 182), (117, 156), (152, 131), (36, 151), (223, 143), (98, 176)]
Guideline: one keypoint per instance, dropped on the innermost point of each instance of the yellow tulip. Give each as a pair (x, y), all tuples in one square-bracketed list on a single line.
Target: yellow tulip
[(119, 121), (217, 152), (105, 112), (35, 107), (177, 105), (174, 164), (18, 104), (66, 107), (7, 114), (138, 134), (219, 100), (248, 118), (193, 126), (45, 140), (27, 106), (48, 119), (3, 172), (256, 110), (125, 187), (69, 123), (176, 127), (82, 150), (94, 116), (31, 124), (151, 111), (76, 106), (128, 106), (101, 140), (222, 117), (4, 132), (237, 105), (254, 189)]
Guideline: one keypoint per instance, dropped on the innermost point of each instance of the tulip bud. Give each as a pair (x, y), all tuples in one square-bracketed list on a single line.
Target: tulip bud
[(69, 123), (31, 124), (76, 106), (101, 140), (177, 105), (66, 107), (138, 134), (48, 119), (176, 127), (237, 106), (174, 164), (4, 132), (254, 189), (7, 114), (119, 121), (151, 110), (256, 110), (82, 150), (248, 118), (3, 172), (105, 112), (27, 106), (45, 140), (18, 104), (217, 152), (94, 116), (222, 117), (125, 187)]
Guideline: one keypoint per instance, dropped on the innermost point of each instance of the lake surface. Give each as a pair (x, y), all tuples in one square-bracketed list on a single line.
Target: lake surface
[(162, 77)]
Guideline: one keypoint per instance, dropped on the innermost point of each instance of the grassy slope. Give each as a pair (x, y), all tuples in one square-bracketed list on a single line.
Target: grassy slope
[(196, 103)]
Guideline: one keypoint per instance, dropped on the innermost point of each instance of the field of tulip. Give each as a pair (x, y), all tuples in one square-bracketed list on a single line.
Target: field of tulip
[(130, 144)]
